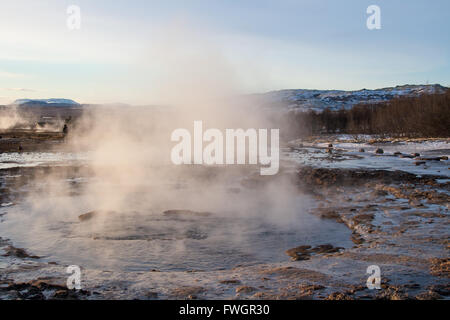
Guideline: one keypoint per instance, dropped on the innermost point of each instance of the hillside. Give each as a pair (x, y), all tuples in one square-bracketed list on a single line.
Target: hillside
[(318, 100), (46, 102)]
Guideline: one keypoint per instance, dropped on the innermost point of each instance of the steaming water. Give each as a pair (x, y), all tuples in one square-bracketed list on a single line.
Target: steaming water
[(137, 241), (143, 238)]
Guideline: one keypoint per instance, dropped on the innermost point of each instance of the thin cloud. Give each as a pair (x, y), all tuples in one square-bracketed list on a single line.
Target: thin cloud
[(7, 74), (20, 89)]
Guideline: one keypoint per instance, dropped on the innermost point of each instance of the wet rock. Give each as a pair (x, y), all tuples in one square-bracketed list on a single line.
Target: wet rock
[(186, 292), (391, 293), (397, 153), (444, 158), (428, 295), (230, 281), (365, 218), (299, 253), (357, 239), (88, 215), (440, 267), (43, 289), (328, 213), (46, 284), (428, 158), (380, 193), (305, 252), (245, 289), (152, 295), (326, 248), (379, 151), (441, 289), (330, 145), (18, 252), (309, 289), (59, 294), (339, 296)]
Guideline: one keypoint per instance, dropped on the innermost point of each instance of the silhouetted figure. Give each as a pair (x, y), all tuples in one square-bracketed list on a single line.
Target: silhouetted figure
[(65, 129)]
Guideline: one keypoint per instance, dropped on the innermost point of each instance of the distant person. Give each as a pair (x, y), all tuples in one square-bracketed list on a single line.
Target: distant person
[(65, 129)]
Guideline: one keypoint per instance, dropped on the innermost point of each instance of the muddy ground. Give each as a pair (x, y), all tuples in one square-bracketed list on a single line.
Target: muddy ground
[(29, 141), (398, 221)]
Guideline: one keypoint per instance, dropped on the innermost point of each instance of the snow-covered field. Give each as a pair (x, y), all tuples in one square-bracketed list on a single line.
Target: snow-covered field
[(346, 153), (32, 159)]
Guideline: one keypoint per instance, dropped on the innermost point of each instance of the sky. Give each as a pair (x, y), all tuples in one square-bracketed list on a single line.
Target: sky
[(139, 52)]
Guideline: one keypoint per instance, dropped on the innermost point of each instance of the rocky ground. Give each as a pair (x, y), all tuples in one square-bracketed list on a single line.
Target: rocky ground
[(28, 141), (399, 221)]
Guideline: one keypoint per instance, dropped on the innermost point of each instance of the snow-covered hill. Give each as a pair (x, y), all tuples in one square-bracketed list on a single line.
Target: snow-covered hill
[(318, 100), (45, 101)]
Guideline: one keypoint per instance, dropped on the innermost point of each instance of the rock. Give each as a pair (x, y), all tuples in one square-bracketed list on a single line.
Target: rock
[(230, 281), (415, 154), (442, 289), (87, 216), (326, 248), (186, 292), (356, 239), (304, 252), (60, 294), (440, 267), (362, 150), (328, 213), (330, 145), (245, 289), (364, 218), (428, 295), (428, 158), (391, 293), (444, 158), (397, 153), (151, 295), (339, 296), (379, 151), (418, 163), (18, 252), (299, 253), (329, 150)]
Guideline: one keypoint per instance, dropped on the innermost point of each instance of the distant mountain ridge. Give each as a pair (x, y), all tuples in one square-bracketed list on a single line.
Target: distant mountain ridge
[(293, 99), (52, 102), (318, 100)]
